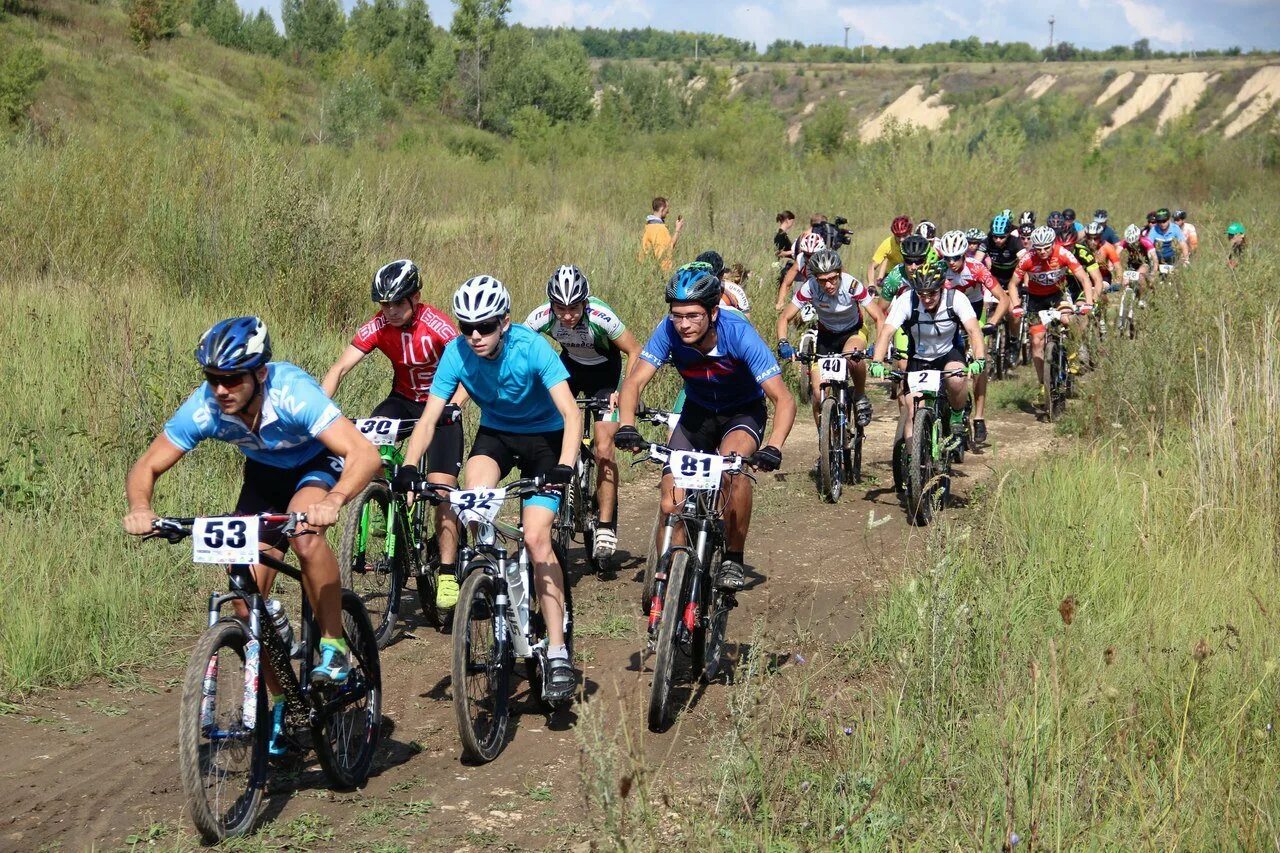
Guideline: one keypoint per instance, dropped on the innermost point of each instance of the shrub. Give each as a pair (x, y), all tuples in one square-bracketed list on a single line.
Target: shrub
[(825, 132), (21, 70), (350, 108)]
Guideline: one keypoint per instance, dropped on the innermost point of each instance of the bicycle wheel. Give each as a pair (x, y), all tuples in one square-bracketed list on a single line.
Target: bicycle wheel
[(665, 659), (562, 527), (370, 557), (713, 622), (830, 451), (481, 669), (900, 465), (1000, 351), (425, 581), (854, 459), (1050, 384), (222, 763), (651, 563), (347, 728), (588, 510), (923, 488)]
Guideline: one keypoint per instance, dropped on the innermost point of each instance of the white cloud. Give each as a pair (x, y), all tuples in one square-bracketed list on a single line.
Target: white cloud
[(583, 13), (1152, 22)]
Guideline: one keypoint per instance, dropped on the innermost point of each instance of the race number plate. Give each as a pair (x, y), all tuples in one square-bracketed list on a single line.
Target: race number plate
[(1131, 275), (833, 369), (379, 430), (1049, 315), (920, 381), (225, 539), (1165, 269), (477, 504), (692, 470)]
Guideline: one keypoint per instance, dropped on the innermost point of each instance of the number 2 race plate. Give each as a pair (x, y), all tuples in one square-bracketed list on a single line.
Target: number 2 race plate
[(226, 539), (692, 470), (920, 381), (379, 430)]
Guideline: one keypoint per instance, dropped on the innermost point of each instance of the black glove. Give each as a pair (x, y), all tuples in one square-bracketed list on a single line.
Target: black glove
[(628, 438), (767, 458), (451, 415), (406, 477), (559, 475), (989, 329)]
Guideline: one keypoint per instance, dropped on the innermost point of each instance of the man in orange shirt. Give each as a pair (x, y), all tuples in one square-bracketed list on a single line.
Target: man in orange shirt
[(657, 242)]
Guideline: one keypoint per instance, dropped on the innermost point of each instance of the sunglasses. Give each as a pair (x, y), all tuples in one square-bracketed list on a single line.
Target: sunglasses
[(487, 327), (226, 380), (830, 278)]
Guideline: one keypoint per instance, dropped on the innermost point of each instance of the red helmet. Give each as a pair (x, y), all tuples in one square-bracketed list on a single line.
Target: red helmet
[(901, 226)]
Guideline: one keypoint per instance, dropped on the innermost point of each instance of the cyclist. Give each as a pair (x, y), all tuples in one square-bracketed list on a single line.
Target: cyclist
[(1068, 238), (1026, 224), (839, 300), (929, 231), (1043, 270), (1104, 253), (1188, 231), (1140, 255), (528, 420), (1236, 244), (975, 237), (593, 340), (413, 334), (1168, 239), (783, 247), (732, 294), (728, 372), (933, 317), (301, 454), (808, 243), (1070, 216), (976, 283), (1108, 233), (1000, 253), (889, 253), (916, 252), (1151, 222)]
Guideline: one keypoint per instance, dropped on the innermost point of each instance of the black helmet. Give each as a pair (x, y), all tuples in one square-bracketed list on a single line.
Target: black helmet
[(1027, 217), (929, 278), (395, 281), (914, 247), (712, 257), (1069, 214), (1179, 214)]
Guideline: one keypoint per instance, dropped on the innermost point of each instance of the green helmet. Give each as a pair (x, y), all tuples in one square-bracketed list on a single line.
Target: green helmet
[(1235, 229)]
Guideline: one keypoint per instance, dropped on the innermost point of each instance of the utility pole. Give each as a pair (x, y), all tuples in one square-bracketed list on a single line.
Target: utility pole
[(846, 38), (695, 48), (1051, 32)]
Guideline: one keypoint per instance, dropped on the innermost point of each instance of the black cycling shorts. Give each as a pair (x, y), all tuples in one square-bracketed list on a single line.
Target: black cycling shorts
[(1003, 276), (833, 342), (533, 453), (702, 430), (1036, 304), (594, 381), (269, 489), (444, 456), (956, 354)]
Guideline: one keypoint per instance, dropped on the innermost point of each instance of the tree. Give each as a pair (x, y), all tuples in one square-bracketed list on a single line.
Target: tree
[(1142, 49), (476, 24), (150, 20), (261, 35), (553, 76), (314, 26)]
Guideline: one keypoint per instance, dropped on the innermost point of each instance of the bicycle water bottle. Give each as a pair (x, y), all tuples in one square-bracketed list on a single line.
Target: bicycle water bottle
[(249, 711), (280, 621), (208, 694), (518, 588)]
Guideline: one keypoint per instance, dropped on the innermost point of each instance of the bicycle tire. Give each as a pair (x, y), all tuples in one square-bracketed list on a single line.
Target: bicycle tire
[(346, 738), (1000, 364), (900, 465), (377, 585), (659, 716), (713, 621), (197, 763), (855, 460), (1050, 383), (482, 721), (589, 511), (425, 582), (652, 557), (562, 526), (830, 451), (921, 472)]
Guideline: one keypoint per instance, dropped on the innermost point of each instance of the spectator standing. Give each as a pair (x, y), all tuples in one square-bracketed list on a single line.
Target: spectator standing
[(783, 248), (657, 242)]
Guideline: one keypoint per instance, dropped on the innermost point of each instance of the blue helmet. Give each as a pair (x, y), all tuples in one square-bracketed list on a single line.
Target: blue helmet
[(694, 282), (234, 345), (1000, 225)]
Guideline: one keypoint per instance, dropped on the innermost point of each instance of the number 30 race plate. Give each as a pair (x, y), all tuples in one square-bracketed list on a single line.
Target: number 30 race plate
[(379, 430), (225, 539)]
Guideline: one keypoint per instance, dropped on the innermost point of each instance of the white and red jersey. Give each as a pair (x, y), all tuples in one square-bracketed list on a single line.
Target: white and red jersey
[(1044, 276), (414, 349), (974, 280)]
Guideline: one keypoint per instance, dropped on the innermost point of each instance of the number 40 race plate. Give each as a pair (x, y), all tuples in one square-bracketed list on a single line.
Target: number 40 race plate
[(225, 539), (833, 369)]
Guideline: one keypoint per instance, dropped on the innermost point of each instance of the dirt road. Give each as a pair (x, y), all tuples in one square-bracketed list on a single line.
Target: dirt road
[(97, 766)]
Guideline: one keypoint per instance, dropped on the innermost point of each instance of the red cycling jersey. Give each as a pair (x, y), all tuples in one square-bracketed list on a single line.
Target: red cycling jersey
[(972, 280), (414, 350), (1044, 275)]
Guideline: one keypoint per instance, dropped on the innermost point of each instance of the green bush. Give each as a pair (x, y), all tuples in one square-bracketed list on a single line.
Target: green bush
[(351, 107), (21, 71), (825, 132)]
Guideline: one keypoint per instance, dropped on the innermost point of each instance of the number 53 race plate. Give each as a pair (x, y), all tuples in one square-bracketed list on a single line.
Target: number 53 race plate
[(225, 539)]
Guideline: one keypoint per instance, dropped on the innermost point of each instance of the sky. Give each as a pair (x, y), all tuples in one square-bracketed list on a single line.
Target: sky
[(1168, 24)]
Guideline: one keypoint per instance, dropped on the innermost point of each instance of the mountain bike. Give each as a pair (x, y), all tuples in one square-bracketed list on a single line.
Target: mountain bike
[(998, 360), (1023, 343), (923, 462), (807, 346), (579, 506), (496, 620), (1126, 319), (688, 613), (839, 435), (1058, 381), (384, 539), (668, 421), (224, 722)]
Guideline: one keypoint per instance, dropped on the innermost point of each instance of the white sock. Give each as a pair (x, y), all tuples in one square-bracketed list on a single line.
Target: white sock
[(557, 652)]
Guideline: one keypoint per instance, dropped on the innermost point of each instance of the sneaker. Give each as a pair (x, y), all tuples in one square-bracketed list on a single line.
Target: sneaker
[(979, 431), (731, 578), (333, 667), (958, 429), (606, 543), (559, 681), (446, 591), (862, 411), (277, 745)]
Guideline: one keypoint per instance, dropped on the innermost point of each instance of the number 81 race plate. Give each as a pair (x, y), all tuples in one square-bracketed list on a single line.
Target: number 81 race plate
[(691, 470)]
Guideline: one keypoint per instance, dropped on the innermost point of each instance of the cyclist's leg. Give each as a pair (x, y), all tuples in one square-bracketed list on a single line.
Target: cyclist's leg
[(537, 454), (1037, 331), (980, 380), (742, 434), (444, 461), (607, 470), (319, 566)]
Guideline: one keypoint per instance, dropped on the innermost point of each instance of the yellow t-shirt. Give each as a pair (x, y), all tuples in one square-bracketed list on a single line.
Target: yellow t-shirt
[(656, 243), (890, 249)]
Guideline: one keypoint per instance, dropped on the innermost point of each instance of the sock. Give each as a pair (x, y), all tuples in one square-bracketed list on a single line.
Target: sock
[(448, 569), (557, 652), (734, 556), (957, 417), (608, 525), (332, 643)]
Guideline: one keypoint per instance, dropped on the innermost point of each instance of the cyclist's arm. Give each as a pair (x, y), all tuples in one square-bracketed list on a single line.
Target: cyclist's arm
[(1086, 284), (883, 337), (784, 410), (875, 312), (630, 347), (1095, 275), (784, 289), (360, 461), (785, 318), (877, 270), (571, 438), (1002, 302), (637, 378), (140, 484), (1186, 252), (425, 429), (350, 357), (1014, 281)]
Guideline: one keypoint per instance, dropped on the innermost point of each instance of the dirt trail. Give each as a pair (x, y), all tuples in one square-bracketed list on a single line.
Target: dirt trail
[(93, 766)]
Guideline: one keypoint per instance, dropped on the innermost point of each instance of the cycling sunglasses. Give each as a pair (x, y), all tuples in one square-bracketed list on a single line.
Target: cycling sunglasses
[(226, 380), (486, 327)]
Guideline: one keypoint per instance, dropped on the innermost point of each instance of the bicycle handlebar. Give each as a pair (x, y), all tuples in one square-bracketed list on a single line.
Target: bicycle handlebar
[(736, 463), (436, 493), (176, 529), (855, 355)]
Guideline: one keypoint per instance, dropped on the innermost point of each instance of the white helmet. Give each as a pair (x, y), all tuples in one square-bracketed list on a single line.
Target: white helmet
[(954, 244), (1132, 233), (927, 230), (810, 243), (568, 286), (481, 298), (1043, 237)]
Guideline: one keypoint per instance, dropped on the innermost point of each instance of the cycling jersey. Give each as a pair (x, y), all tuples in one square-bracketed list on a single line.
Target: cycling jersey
[(727, 377), (414, 350), (513, 390), (1044, 275), (933, 334), (733, 296), (1109, 235), (892, 283), (1084, 255), (890, 249), (1165, 241), (1137, 256), (294, 412), (837, 312), (1106, 256), (1003, 258), (589, 342), (973, 281)]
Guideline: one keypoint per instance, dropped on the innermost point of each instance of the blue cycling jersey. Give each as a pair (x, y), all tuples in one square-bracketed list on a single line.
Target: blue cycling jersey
[(513, 390), (294, 412), (730, 375), (1165, 241)]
